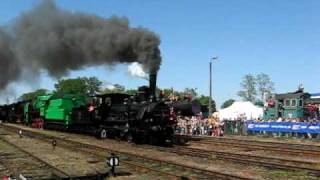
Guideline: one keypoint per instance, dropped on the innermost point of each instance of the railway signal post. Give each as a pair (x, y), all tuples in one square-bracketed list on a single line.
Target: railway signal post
[(54, 144), (113, 161), (20, 133)]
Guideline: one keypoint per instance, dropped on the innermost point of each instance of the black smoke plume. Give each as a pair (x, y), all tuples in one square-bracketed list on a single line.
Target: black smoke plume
[(9, 66), (58, 41)]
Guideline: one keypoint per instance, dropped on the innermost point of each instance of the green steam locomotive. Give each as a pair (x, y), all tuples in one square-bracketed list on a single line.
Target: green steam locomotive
[(294, 105)]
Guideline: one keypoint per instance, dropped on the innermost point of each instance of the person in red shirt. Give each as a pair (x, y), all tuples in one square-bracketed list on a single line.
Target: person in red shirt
[(161, 95)]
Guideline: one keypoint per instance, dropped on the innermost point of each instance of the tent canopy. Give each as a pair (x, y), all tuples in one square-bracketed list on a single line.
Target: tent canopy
[(240, 109)]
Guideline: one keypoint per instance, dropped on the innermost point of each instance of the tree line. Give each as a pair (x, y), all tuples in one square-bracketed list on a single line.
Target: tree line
[(254, 88), (89, 86)]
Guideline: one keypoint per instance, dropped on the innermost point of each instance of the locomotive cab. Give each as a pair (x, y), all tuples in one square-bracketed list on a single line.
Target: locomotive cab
[(111, 115), (152, 124)]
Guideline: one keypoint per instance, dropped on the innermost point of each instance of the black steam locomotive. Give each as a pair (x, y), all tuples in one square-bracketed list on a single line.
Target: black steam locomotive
[(12, 112), (140, 118)]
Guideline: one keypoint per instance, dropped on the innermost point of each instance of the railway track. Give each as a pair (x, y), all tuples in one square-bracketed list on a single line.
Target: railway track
[(269, 162), (251, 145), (19, 163), (170, 169)]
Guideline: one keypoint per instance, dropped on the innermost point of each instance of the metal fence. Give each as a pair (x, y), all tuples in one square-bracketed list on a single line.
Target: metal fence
[(234, 128)]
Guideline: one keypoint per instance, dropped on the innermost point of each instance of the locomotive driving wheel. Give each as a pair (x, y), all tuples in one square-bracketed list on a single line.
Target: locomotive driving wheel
[(153, 139), (130, 138), (103, 134)]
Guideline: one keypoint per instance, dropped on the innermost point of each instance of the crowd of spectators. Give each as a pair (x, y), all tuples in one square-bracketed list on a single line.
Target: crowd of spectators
[(197, 125), (310, 119)]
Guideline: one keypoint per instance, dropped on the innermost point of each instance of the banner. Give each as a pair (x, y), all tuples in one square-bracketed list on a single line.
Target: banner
[(299, 127)]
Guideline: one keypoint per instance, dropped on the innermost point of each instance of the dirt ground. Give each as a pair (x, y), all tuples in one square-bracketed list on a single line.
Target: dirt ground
[(59, 159), (306, 141), (253, 152), (71, 162), (14, 162)]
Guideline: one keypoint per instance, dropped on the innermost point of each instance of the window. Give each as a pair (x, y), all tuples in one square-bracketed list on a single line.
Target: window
[(300, 103), (287, 103), (294, 103)]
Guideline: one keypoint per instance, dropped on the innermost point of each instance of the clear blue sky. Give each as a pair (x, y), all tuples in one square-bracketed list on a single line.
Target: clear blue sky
[(279, 38)]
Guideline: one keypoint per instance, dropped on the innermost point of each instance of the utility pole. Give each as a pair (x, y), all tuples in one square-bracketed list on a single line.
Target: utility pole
[(210, 85)]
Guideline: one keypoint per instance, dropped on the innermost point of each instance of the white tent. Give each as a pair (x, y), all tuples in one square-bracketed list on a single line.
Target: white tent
[(246, 110)]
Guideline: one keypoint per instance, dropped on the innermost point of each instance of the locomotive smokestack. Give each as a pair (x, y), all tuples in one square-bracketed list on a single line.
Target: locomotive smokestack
[(153, 84)]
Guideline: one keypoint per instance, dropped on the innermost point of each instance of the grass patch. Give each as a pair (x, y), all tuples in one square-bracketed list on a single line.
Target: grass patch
[(280, 174)]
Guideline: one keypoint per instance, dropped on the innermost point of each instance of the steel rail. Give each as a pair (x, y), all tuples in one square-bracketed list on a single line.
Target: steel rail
[(84, 147)]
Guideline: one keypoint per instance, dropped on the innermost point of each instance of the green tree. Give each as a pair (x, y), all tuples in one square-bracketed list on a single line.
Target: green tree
[(32, 95), (116, 89), (181, 94), (131, 91), (81, 86), (167, 91), (204, 101), (93, 84), (72, 86), (119, 88), (227, 103), (264, 85), (248, 85), (192, 91)]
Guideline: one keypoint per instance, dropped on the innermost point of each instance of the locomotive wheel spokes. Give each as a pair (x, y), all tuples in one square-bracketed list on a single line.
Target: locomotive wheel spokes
[(45, 124), (130, 138), (103, 134), (152, 140), (41, 123)]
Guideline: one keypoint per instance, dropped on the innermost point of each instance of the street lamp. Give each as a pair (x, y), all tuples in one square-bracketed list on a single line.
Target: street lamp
[(210, 84)]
